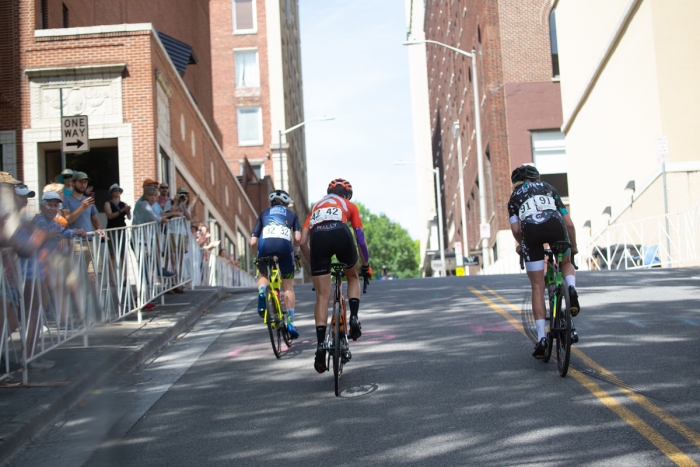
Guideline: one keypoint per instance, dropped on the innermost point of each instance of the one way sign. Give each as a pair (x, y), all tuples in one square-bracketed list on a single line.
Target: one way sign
[(74, 134)]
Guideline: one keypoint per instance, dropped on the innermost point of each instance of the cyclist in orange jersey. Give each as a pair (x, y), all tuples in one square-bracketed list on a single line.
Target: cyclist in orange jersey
[(326, 229)]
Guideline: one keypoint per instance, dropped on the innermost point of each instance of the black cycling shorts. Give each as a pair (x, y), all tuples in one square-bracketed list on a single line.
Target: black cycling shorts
[(328, 239), (535, 235)]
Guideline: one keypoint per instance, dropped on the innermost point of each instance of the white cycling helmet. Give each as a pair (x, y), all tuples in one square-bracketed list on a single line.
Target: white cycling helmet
[(280, 195)]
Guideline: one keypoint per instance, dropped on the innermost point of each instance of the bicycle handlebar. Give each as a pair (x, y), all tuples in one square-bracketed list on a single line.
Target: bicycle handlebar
[(366, 282), (522, 260)]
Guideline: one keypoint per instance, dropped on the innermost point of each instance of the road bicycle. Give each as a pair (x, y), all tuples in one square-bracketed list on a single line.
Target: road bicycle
[(336, 342), (276, 317), (561, 333)]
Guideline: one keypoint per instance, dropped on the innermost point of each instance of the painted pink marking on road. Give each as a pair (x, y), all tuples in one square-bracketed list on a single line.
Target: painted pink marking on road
[(248, 348), (505, 327), (372, 338)]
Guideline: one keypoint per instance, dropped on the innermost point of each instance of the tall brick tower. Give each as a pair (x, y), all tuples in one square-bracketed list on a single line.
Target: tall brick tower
[(520, 108), (256, 58)]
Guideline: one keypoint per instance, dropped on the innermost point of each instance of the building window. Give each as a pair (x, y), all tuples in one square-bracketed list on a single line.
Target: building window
[(165, 168), (288, 10), (553, 44), (66, 20), (249, 126), (549, 156), (247, 68), (244, 17), (44, 14)]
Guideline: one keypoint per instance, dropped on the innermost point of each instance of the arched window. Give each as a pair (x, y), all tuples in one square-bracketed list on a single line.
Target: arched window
[(553, 44)]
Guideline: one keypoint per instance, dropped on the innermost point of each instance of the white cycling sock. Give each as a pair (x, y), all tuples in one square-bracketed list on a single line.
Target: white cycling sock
[(570, 281), (261, 290), (539, 324)]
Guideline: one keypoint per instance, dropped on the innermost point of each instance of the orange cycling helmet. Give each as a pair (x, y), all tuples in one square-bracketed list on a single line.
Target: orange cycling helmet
[(344, 184)]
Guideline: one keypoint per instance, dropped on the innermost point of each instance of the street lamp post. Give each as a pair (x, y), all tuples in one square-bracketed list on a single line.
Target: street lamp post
[(480, 155), (465, 237), (436, 172), (289, 130)]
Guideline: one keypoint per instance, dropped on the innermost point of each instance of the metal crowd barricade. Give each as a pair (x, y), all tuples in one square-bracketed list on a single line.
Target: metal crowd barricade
[(671, 240), (60, 292)]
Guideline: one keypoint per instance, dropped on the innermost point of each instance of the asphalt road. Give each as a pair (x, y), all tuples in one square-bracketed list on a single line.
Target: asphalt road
[(441, 376)]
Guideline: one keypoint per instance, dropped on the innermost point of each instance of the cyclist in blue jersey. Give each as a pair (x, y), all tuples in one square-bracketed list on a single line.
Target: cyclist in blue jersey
[(273, 235)]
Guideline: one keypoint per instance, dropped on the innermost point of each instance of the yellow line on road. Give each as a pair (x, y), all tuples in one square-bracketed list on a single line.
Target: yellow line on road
[(670, 420), (665, 446)]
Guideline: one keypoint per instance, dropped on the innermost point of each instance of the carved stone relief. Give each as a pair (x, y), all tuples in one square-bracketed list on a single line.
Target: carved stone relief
[(99, 98)]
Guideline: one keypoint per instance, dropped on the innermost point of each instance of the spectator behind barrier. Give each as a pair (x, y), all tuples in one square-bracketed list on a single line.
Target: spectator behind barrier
[(79, 210), (116, 211), (58, 188), (22, 195), (164, 199), (66, 178)]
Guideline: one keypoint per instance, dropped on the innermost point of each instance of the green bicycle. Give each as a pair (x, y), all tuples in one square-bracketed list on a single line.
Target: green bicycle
[(277, 319), (560, 324)]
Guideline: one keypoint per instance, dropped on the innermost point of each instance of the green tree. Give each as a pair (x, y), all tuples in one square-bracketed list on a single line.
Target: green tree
[(389, 245)]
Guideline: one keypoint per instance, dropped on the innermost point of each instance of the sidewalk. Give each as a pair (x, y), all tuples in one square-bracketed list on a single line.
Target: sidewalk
[(111, 348)]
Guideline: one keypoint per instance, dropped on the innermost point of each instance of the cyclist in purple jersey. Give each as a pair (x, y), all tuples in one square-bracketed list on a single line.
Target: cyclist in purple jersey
[(538, 216), (275, 231)]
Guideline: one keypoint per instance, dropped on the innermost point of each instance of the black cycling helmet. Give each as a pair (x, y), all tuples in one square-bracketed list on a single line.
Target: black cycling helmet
[(340, 186), (281, 195), (525, 173)]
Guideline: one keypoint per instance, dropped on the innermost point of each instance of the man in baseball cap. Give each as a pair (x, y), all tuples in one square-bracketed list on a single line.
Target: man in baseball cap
[(22, 195)]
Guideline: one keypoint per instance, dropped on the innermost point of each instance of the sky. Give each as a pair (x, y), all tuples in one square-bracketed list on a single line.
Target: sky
[(355, 68)]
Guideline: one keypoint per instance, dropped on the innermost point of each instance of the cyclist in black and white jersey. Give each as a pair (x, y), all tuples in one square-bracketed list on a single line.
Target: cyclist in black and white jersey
[(538, 216)]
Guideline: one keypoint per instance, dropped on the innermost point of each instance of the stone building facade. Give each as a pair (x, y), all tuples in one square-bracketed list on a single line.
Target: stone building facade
[(257, 79), (143, 78), (519, 105)]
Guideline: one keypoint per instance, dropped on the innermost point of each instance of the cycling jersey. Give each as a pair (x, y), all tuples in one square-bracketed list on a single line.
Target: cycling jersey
[(333, 208), (330, 235), (275, 228), (539, 209), (534, 203)]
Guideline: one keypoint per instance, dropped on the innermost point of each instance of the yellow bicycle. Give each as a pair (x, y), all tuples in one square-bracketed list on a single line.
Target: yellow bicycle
[(276, 317)]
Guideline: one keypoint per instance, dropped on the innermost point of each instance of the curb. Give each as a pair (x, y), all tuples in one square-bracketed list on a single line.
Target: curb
[(75, 392)]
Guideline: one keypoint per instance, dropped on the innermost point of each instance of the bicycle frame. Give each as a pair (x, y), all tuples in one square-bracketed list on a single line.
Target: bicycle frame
[(275, 279), (553, 280)]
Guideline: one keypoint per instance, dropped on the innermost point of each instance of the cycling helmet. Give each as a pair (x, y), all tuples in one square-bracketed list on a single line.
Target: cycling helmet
[(281, 195), (342, 183), (525, 172)]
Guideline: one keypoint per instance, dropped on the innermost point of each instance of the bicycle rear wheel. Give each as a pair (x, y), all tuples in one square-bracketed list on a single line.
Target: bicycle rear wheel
[(337, 370), (563, 331), (550, 334), (273, 322)]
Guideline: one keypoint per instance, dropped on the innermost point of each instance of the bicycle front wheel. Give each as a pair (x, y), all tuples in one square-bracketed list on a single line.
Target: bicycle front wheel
[(273, 322), (563, 331), (337, 371)]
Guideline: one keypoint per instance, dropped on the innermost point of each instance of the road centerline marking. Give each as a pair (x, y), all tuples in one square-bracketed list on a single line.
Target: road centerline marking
[(653, 436), (681, 428)]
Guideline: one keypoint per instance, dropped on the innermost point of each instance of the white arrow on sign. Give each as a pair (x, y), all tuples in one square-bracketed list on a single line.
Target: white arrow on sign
[(74, 134)]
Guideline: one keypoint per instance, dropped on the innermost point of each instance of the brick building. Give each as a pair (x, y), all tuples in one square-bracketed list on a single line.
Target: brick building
[(142, 75), (257, 80), (520, 109)]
